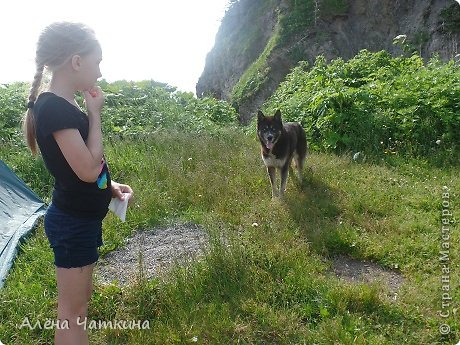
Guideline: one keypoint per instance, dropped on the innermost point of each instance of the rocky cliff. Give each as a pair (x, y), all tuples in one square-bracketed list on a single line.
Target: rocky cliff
[(259, 41)]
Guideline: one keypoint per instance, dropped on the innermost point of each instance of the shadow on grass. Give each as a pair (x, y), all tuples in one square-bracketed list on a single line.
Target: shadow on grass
[(315, 207)]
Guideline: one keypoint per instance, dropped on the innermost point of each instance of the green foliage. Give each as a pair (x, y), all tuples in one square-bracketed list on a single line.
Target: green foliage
[(412, 45), (330, 8), (131, 109), (303, 14), (299, 17), (12, 109), (450, 19), (376, 104), (217, 111), (135, 108)]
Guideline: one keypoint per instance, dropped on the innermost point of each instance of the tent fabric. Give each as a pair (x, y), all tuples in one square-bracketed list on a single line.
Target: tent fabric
[(20, 209)]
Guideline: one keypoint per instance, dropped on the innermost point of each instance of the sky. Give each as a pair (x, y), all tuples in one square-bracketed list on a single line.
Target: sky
[(166, 41)]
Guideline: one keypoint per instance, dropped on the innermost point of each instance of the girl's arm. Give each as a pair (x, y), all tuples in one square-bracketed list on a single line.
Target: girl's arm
[(84, 158)]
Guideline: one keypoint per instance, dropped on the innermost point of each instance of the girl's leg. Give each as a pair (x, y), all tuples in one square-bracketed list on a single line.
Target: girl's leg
[(75, 287)]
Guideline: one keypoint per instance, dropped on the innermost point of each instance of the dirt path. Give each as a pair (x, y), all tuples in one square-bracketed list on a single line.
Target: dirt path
[(156, 248)]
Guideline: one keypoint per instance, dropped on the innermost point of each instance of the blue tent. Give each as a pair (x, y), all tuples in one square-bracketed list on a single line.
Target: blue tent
[(20, 209)]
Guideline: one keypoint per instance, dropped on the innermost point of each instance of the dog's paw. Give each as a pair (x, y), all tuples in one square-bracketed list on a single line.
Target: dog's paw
[(278, 196)]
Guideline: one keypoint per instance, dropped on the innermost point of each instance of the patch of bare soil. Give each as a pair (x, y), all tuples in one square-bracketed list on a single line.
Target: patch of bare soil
[(362, 271), (155, 250)]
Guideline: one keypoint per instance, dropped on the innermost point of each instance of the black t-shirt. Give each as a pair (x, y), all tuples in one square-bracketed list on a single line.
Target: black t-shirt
[(70, 194)]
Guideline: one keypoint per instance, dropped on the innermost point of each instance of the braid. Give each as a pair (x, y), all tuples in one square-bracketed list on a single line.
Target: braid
[(36, 84), (29, 119)]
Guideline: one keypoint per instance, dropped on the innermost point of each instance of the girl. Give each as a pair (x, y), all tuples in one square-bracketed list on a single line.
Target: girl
[(70, 143)]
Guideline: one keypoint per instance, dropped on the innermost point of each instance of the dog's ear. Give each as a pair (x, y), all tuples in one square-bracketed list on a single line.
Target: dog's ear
[(277, 116), (260, 116)]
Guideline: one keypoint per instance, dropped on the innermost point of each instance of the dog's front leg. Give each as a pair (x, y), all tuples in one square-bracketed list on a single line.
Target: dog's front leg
[(284, 176), (272, 174)]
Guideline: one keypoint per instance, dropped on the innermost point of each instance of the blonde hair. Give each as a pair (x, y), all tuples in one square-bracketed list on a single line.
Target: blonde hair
[(56, 44)]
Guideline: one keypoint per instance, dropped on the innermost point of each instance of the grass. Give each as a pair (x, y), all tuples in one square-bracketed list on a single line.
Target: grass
[(265, 284)]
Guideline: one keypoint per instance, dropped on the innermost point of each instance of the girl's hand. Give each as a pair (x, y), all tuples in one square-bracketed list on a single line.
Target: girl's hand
[(118, 189), (94, 100)]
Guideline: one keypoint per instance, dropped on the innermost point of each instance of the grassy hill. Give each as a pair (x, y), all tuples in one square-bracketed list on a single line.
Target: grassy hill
[(266, 277)]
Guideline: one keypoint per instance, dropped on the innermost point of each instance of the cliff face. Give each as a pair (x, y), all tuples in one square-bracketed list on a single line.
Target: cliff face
[(259, 41), (242, 36)]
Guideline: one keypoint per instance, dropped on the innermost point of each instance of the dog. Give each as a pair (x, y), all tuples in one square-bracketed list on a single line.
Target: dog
[(280, 144)]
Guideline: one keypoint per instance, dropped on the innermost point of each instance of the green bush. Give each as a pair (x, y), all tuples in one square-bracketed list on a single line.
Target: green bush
[(217, 111), (12, 108), (131, 109), (375, 103), (136, 108)]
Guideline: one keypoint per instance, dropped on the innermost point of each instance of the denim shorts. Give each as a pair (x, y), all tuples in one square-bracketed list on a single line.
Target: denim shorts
[(75, 240)]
